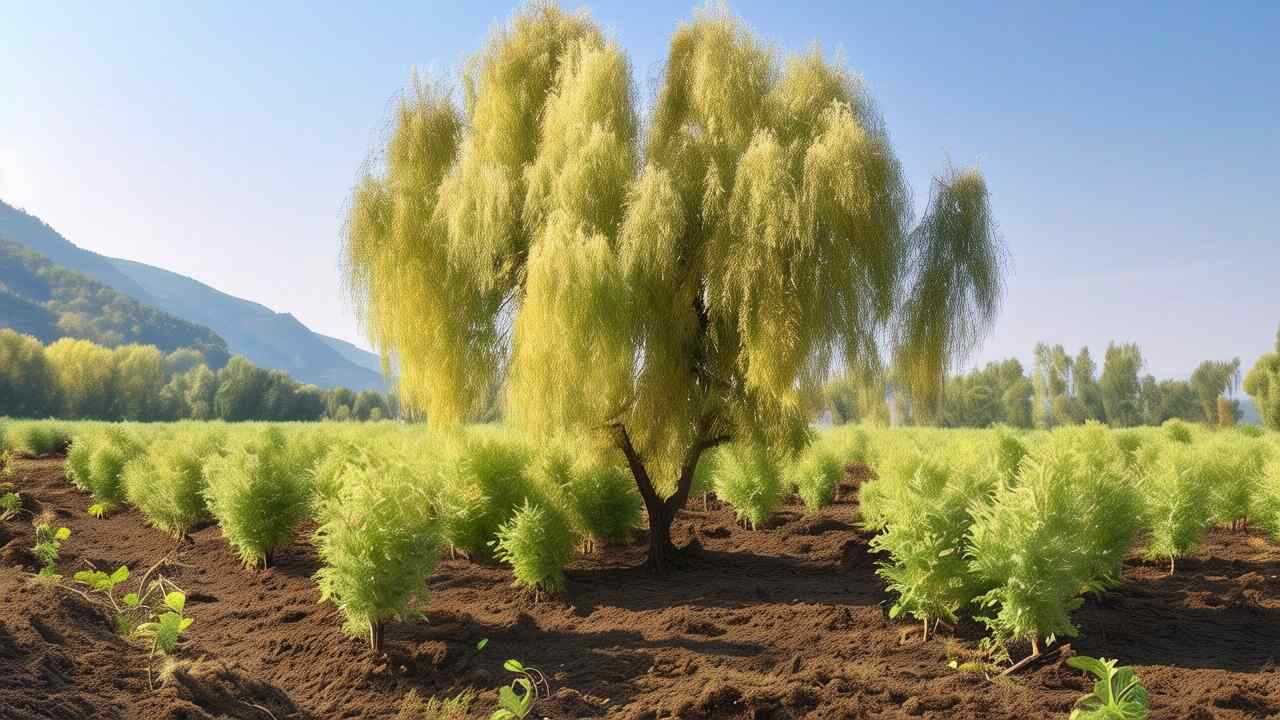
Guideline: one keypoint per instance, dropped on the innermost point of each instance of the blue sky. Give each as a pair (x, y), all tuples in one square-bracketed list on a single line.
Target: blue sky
[(1133, 153)]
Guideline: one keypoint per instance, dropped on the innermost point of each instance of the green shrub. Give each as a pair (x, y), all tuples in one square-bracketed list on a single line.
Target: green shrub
[(925, 517), (112, 449), (1249, 431), (379, 540), (1233, 469), (815, 475), (1009, 451), (1268, 505), (537, 542), (485, 479), (167, 483), (1060, 530), (77, 466), (258, 492), (1176, 493), (38, 438), (747, 478), (603, 500), (1177, 431)]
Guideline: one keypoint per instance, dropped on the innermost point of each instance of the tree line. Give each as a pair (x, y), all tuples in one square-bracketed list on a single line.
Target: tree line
[(1065, 389), (79, 379)]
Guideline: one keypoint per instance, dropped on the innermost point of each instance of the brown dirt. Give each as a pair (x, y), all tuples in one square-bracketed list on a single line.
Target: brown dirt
[(786, 622)]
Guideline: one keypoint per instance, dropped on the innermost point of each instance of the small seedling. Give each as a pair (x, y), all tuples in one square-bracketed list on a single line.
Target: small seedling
[(481, 645), (101, 509), (166, 629), (48, 543), (1117, 694), (105, 585), (10, 504), (516, 701)]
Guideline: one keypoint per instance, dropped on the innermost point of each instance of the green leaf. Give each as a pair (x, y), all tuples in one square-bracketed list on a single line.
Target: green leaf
[(481, 645), (175, 601), (120, 575), (62, 534), (509, 701), (131, 600), (514, 666), (186, 623)]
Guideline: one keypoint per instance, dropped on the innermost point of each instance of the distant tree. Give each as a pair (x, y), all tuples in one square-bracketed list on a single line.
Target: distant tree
[(183, 360), (366, 402), (1210, 380), (241, 387), (1263, 385), (1121, 390), (338, 398), (683, 289), (1017, 399), (1084, 383), (140, 378), (28, 383), (85, 374), (202, 389)]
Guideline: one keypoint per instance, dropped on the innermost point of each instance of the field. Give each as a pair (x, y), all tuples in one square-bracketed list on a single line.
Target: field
[(789, 618)]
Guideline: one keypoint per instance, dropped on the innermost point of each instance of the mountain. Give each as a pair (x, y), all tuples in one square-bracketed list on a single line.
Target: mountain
[(268, 339), (49, 301), (354, 353)]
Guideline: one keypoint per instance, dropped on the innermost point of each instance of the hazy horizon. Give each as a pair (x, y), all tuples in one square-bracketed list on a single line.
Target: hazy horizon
[(1132, 156)]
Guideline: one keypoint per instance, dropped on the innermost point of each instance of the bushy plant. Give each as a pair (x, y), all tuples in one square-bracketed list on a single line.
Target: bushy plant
[(167, 482), (485, 480), (1059, 531), (1176, 490), (379, 540), (1177, 431), (77, 465), (165, 629), (258, 492), (924, 514), (10, 502), (1268, 505), (112, 451), (816, 475), (603, 500), (748, 477), (1233, 469), (537, 542), (38, 438)]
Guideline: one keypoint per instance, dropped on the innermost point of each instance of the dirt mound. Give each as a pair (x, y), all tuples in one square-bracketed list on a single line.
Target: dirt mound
[(787, 622)]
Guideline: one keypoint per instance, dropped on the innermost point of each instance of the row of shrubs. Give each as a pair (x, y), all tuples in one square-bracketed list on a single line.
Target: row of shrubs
[(386, 500), (1016, 529)]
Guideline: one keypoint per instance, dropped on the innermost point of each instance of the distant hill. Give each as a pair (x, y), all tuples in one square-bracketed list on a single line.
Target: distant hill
[(355, 354), (266, 338), (49, 301)]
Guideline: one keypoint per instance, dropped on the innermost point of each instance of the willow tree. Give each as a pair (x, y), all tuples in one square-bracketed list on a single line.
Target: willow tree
[(673, 284)]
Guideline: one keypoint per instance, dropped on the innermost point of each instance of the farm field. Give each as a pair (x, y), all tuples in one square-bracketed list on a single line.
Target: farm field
[(786, 620)]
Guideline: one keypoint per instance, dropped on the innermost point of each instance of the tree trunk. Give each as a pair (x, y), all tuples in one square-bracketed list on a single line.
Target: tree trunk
[(662, 511)]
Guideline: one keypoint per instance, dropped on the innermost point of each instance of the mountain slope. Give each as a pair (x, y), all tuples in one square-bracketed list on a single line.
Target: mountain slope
[(268, 339), (41, 298), (355, 354)]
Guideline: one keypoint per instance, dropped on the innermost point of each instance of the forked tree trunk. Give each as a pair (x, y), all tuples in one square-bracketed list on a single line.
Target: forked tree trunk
[(662, 511)]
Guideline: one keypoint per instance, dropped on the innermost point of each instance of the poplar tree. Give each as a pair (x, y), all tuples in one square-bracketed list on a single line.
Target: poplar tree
[(672, 284)]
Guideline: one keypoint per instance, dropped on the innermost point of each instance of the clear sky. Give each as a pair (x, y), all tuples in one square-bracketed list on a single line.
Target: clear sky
[(1133, 152)]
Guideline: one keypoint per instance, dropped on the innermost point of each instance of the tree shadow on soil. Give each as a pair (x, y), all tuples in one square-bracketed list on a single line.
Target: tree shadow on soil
[(1207, 615), (724, 579)]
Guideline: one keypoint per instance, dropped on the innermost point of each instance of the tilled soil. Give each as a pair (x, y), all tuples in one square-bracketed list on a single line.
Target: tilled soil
[(783, 622)]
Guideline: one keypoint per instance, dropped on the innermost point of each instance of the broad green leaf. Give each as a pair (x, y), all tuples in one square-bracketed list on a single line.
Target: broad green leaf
[(175, 601)]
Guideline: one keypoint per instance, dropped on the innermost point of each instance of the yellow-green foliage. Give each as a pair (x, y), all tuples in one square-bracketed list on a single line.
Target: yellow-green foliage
[(112, 449), (378, 539), (537, 542), (1177, 485), (749, 478), (923, 508), (167, 482), (38, 438), (815, 476), (696, 280), (1268, 507), (259, 492), (601, 497), (1177, 431), (485, 479), (1233, 465), (1060, 529)]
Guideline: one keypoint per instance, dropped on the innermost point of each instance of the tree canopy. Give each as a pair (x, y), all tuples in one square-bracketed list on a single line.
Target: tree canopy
[(679, 282)]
